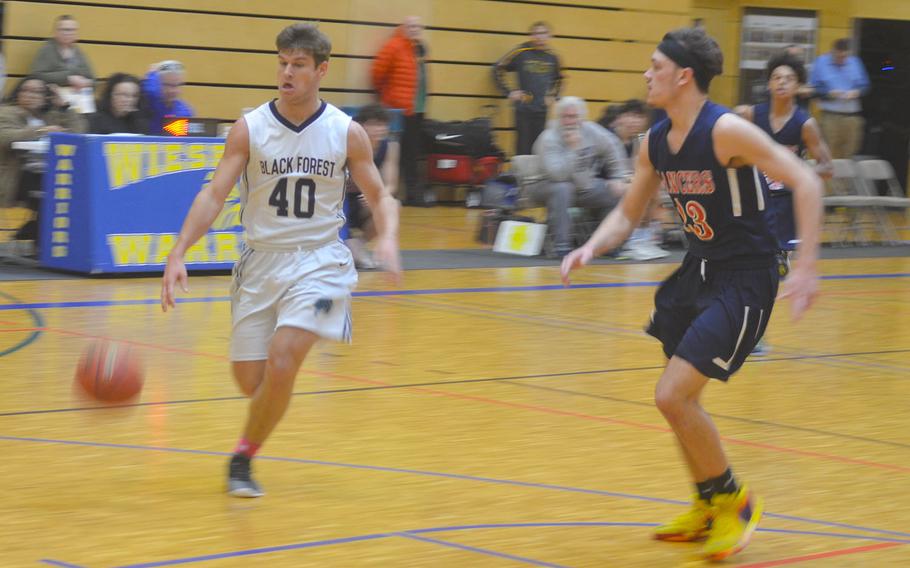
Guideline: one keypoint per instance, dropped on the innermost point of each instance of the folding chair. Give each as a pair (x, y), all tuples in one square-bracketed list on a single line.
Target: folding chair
[(871, 173), (850, 198)]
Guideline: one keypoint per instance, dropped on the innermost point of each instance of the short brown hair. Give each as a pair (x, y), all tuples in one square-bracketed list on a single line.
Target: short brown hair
[(704, 50), (842, 44), (305, 37)]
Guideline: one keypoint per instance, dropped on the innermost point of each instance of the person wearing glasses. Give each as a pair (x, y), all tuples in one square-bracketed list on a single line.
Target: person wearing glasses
[(33, 110), (162, 88)]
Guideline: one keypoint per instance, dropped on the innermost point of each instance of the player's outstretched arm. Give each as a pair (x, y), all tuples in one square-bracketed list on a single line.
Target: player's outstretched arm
[(618, 225), (382, 204), (205, 209), (737, 142), (812, 137)]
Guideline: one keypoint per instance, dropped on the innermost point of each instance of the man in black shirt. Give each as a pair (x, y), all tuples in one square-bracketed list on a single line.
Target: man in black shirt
[(538, 74)]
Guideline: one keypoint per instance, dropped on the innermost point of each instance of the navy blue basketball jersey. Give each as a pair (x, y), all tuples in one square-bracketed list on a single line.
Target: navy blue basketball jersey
[(722, 209), (790, 136)]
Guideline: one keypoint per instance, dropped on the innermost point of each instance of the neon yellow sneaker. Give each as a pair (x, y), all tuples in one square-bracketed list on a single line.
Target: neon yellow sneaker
[(735, 519), (690, 526)]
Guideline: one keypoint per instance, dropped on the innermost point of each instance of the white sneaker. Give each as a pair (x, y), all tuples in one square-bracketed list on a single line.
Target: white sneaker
[(640, 249), (362, 257)]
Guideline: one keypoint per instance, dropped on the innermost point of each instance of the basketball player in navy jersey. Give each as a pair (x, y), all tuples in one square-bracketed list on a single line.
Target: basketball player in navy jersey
[(791, 126), (293, 282), (712, 310)]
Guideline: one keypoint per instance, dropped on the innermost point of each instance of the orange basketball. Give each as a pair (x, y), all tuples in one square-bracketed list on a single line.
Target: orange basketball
[(110, 372)]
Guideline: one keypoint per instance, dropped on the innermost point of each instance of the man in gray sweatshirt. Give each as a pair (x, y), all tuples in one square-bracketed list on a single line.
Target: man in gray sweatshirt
[(575, 153)]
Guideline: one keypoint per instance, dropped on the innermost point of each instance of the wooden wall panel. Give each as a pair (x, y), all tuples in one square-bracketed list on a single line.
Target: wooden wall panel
[(160, 28), (578, 22), (202, 66), (231, 65)]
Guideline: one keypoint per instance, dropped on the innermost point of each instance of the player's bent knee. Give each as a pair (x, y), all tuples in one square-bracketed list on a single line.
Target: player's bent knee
[(668, 401), (248, 375)]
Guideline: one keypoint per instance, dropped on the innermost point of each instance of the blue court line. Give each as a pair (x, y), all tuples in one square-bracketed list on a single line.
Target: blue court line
[(416, 534), (421, 292), (58, 563), (444, 475), (486, 551), (263, 550), (37, 321)]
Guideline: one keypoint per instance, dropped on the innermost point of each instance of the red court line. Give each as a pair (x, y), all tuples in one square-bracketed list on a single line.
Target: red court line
[(535, 408), (821, 555), (639, 425)]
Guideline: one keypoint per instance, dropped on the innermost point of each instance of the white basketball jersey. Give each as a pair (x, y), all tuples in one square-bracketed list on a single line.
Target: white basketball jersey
[(292, 190)]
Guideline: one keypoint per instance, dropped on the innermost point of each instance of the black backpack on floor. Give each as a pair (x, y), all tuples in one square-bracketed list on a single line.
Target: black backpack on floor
[(464, 138)]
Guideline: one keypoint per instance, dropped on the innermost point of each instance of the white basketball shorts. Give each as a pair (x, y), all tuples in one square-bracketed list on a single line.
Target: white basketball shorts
[(307, 289)]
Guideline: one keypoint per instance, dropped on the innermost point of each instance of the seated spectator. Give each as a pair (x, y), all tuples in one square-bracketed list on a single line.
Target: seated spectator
[(375, 120), (60, 61), (118, 108), (629, 122), (31, 111), (574, 153), (161, 88)]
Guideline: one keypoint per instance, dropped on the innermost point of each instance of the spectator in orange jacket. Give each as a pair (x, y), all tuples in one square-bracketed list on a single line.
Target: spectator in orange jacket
[(400, 79)]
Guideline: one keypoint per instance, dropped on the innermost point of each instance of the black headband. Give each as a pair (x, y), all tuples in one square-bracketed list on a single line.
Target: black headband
[(678, 53)]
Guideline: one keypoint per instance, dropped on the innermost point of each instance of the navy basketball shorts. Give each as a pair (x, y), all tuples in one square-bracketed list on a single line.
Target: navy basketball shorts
[(784, 223), (713, 313)]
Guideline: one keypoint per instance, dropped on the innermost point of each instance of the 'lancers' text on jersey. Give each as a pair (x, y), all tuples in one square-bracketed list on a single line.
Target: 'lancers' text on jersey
[(689, 182)]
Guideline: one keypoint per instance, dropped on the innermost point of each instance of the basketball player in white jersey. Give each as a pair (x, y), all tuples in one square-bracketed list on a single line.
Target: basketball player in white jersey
[(293, 282)]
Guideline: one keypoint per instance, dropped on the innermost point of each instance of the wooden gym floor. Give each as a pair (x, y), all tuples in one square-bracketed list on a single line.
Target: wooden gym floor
[(482, 417)]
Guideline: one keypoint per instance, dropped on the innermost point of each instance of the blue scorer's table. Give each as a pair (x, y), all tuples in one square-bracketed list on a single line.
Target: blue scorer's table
[(116, 203)]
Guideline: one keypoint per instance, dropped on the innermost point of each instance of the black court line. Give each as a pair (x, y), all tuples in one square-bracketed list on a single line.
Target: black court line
[(552, 321), (713, 414), (508, 380), (335, 391)]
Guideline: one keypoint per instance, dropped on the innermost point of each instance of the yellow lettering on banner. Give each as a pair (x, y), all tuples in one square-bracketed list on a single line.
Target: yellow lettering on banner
[(128, 250), (59, 251), (195, 156), (62, 193), (217, 152), (61, 222), (153, 155), (226, 247), (124, 163), (64, 179), (165, 245), (61, 208), (64, 165), (65, 150), (61, 237), (199, 252), (172, 158)]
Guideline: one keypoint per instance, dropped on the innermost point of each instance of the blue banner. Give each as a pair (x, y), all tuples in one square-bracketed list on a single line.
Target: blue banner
[(116, 203)]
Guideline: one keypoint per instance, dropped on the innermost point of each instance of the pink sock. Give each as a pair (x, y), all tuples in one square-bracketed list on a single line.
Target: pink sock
[(246, 448)]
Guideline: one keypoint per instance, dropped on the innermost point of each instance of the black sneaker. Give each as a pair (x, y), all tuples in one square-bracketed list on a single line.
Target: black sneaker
[(240, 481)]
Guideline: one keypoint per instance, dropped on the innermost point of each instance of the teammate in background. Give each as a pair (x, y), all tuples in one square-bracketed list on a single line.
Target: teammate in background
[(292, 284), (794, 128), (712, 310), (375, 121)]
